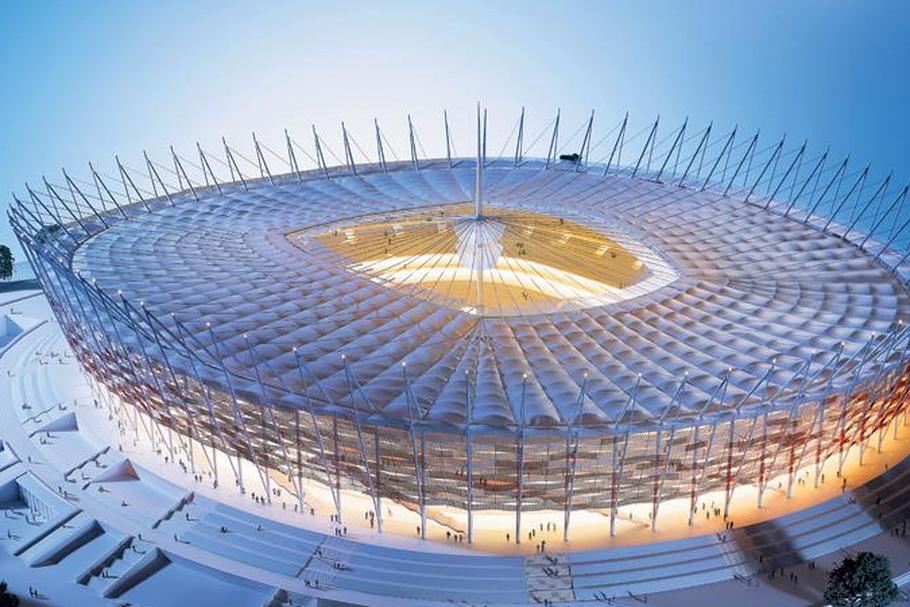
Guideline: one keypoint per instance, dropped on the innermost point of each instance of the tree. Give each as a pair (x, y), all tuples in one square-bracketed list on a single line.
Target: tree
[(861, 581), (7, 599), (6, 262)]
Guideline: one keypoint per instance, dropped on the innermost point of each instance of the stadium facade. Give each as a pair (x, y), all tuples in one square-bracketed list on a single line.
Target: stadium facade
[(693, 312)]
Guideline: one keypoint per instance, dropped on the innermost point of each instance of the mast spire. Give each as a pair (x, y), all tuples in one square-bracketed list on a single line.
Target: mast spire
[(478, 182)]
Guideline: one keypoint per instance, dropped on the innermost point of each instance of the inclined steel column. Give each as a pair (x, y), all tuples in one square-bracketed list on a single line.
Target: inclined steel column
[(292, 158), (238, 415), (20, 214), (860, 179), (617, 467), (782, 442), (728, 484), (53, 215), (73, 188), (554, 142), (820, 432), (203, 438), (419, 478), (323, 460), (266, 408), (839, 173), (378, 463), (519, 141), (707, 458), (377, 505), (814, 173), (262, 422), (423, 475), (648, 142), (148, 370), (191, 414), (663, 476), (146, 386), (774, 168), (151, 372), (232, 165), (84, 326), (616, 479), (116, 376), (52, 195), (153, 174), (897, 386), (469, 454), (125, 178), (263, 165), (69, 324), (380, 152), (572, 433), (299, 462), (520, 452), (896, 203), (617, 145), (697, 478), (749, 151), (679, 137), (320, 159), (655, 490), (719, 158), (748, 441), (693, 496), (768, 164), (445, 120), (348, 154), (842, 421), (178, 168), (780, 184), (584, 149), (661, 461), (216, 424), (135, 379), (762, 467), (414, 160), (207, 170), (882, 387), (879, 192), (806, 380), (337, 458), (704, 138), (796, 465)]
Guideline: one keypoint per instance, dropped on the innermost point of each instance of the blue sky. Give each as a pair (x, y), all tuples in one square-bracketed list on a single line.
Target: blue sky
[(85, 80)]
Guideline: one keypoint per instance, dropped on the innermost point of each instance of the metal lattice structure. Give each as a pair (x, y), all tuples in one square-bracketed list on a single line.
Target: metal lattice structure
[(517, 333)]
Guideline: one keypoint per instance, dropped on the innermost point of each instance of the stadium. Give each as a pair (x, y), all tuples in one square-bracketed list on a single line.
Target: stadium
[(583, 323)]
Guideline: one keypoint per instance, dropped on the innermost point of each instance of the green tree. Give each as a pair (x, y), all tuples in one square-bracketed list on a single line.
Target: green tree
[(7, 599), (6, 262), (861, 581)]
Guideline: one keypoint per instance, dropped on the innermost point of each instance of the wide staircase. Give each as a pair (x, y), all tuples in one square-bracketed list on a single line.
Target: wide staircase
[(638, 571), (330, 562)]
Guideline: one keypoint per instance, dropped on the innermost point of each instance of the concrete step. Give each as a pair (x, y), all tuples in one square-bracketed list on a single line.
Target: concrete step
[(136, 572), (549, 577), (114, 565), (64, 539)]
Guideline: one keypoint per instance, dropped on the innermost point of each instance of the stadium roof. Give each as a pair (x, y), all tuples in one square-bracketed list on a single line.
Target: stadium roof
[(709, 306)]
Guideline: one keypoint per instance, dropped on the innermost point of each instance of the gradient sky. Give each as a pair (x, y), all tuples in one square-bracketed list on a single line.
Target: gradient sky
[(85, 80)]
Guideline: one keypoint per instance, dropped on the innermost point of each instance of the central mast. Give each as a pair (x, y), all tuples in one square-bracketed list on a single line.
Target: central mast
[(478, 207), (481, 158)]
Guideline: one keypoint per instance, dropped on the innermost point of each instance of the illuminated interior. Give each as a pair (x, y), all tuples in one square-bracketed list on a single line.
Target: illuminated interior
[(508, 262)]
